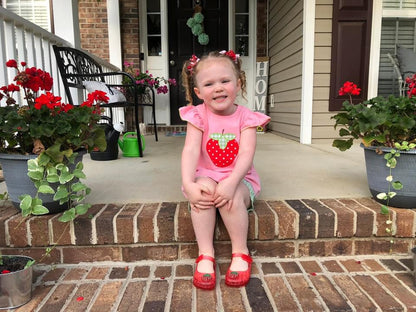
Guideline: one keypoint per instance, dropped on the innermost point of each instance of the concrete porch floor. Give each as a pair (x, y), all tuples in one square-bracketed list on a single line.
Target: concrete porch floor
[(288, 170)]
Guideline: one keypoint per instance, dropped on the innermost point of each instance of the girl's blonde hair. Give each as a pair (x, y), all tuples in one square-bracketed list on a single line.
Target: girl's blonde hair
[(190, 69)]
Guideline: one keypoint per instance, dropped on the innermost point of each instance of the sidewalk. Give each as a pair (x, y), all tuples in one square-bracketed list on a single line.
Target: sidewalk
[(360, 283)]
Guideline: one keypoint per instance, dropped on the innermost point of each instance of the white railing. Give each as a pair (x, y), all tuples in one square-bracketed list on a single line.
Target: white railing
[(22, 40)]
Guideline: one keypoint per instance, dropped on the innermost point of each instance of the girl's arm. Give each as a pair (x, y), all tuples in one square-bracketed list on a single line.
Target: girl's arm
[(196, 193), (226, 188)]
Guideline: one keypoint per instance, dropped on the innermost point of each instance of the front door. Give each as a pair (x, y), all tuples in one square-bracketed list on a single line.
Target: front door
[(182, 43)]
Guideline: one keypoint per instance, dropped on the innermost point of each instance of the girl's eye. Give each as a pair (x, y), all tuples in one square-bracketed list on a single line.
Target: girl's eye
[(225, 81), (208, 84)]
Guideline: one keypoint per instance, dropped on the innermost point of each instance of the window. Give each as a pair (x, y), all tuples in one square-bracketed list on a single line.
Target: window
[(242, 27), (398, 28), (154, 31), (36, 11)]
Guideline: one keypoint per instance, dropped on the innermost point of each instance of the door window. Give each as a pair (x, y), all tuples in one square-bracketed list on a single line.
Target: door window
[(154, 31), (242, 27)]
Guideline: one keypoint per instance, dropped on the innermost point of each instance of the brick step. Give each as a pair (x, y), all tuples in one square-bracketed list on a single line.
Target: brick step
[(163, 231)]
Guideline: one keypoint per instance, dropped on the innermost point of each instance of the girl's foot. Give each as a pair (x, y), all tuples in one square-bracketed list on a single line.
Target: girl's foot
[(238, 273), (204, 276)]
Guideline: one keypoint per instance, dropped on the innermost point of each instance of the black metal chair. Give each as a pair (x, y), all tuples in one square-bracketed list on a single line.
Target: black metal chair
[(77, 67)]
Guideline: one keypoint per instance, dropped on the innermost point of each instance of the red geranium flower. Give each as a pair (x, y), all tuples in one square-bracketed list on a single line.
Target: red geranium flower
[(349, 88), (47, 99), (11, 63)]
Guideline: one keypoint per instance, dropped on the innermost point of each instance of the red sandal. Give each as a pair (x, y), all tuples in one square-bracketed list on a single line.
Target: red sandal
[(204, 281), (239, 278)]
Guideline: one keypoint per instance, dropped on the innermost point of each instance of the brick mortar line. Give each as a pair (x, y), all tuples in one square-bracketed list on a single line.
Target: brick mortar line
[(171, 281), (127, 280), (136, 224), (290, 289), (156, 230), (114, 222), (267, 289), (276, 218), (331, 280), (94, 238)]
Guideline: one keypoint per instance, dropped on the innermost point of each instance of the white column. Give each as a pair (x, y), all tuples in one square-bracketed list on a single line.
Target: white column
[(375, 49), (307, 71), (66, 21), (114, 32)]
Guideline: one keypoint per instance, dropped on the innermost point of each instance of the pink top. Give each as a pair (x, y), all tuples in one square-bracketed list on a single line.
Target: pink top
[(221, 138)]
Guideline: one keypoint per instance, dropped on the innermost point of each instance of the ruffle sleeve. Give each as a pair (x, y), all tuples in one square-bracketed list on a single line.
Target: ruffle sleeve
[(254, 119), (192, 115)]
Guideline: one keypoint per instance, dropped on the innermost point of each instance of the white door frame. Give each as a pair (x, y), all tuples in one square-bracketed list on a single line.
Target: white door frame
[(159, 65)]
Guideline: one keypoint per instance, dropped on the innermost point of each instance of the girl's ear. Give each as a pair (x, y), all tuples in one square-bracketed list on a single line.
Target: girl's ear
[(196, 90), (238, 84)]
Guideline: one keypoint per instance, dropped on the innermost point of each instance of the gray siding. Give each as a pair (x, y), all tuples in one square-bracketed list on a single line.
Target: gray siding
[(285, 78), (322, 125)]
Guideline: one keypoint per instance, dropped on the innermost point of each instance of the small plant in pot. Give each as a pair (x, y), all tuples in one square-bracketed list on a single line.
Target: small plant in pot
[(51, 134), (387, 130)]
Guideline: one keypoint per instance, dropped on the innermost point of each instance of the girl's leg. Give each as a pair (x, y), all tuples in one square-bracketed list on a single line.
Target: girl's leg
[(236, 222), (203, 222)]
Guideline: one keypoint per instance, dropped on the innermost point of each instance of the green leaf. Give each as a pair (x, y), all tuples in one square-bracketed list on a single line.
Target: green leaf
[(35, 175), (29, 263), (39, 210), (344, 132), (79, 174), (397, 185), (342, 145), (76, 187), (384, 209), (61, 193), (43, 159), (82, 209), (65, 177), (25, 204), (32, 164), (52, 178), (68, 215), (46, 189)]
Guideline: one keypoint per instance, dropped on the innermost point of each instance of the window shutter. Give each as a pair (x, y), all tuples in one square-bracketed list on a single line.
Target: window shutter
[(350, 54)]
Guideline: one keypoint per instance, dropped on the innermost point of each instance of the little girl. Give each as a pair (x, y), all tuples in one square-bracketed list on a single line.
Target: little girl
[(217, 161)]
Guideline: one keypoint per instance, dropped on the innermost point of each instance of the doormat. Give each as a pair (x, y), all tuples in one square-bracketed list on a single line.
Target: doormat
[(176, 133)]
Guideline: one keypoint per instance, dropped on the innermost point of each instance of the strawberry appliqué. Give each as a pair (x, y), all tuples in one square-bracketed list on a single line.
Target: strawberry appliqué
[(222, 148)]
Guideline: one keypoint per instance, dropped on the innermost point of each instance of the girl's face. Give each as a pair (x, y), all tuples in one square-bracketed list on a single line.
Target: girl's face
[(217, 85)]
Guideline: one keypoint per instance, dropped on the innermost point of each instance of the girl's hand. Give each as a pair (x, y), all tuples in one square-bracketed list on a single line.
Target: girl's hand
[(199, 196), (224, 193)]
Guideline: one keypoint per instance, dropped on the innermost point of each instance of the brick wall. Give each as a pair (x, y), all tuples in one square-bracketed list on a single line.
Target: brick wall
[(261, 28), (130, 31), (163, 231), (93, 27)]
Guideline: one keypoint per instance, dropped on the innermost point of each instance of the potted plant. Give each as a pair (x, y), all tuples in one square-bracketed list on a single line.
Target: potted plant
[(387, 129), (143, 79), (49, 136), (41, 148)]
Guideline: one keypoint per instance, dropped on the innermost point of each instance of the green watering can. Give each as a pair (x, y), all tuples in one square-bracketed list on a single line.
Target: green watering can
[(129, 144)]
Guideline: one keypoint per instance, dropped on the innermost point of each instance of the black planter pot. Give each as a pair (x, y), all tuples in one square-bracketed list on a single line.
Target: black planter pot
[(405, 172), (18, 183)]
